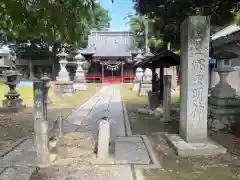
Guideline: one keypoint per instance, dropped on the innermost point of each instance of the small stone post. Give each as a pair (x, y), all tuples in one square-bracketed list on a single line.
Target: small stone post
[(166, 98), (44, 158), (40, 125), (103, 139), (46, 82)]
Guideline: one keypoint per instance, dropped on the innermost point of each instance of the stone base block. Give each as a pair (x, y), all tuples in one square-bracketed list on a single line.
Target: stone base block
[(11, 109), (12, 106), (80, 86), (64, 88), (15, 103), (185, 149)]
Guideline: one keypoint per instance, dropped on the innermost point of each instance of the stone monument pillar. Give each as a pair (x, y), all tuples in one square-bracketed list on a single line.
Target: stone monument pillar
[(64, 85), (80, 81), (166, 98), (192, 139)]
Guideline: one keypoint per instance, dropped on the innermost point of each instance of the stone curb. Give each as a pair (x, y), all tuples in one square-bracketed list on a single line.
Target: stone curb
[(126, 120), (12, 146), (155, 163)]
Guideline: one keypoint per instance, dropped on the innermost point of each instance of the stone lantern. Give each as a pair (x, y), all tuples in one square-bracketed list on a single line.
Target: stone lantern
[(63, 74), (80, 82), (64, 86), (137, 80), (224, 105), (13, 99)]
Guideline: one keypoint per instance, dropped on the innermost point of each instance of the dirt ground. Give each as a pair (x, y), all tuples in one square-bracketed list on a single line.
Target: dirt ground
[(16, 125), (223, 167)]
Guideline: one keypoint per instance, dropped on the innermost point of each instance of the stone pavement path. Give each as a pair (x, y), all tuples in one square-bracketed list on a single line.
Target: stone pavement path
[(106, 102)]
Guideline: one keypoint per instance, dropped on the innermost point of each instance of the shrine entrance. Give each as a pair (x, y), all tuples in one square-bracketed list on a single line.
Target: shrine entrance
[(112, 73)]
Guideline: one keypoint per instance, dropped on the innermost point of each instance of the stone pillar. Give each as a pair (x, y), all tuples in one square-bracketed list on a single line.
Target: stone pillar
[(195, 37), (103, 139), (41, 125), (154, 78), (166, 98), (195, 34), (161, 83)]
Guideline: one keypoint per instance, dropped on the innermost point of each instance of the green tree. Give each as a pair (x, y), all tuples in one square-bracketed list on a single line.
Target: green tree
[(56, 20), (138, 25), (172, 12)]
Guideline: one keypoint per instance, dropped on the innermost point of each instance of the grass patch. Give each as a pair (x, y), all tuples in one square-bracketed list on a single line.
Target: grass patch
[(15, 125), (140, 123)]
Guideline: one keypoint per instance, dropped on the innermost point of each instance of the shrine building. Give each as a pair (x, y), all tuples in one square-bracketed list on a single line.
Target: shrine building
[(112, 56)]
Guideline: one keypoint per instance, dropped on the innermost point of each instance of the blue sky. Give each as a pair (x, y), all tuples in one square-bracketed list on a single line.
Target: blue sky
[(118, 11)]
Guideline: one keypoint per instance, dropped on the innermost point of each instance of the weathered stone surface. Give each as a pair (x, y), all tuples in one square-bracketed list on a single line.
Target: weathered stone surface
[(64, 87), (166, 98), (158, 112), (131, 153), (185, 149), (103, 139), (195, 34), (129, 139), (193, 141), (143, 110), (94, 172)]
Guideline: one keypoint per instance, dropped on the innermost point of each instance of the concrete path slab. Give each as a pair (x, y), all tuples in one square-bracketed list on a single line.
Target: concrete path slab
[(106, 102)]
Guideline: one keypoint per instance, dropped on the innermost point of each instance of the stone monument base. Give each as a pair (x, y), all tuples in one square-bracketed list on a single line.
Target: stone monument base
[(80, 86), (185, 149), (224, 112), (12, 105), (64, 88), (153, 100)]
